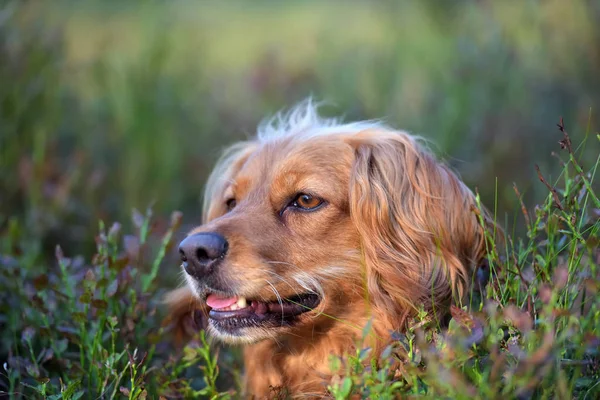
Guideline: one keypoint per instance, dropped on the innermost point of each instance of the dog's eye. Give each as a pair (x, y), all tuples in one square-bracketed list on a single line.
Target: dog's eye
[(305, 201), (231, 203)]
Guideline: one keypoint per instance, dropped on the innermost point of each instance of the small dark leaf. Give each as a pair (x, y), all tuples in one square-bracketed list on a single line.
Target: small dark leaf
[(79, 317), (102, 283), (44, 332), (119, 263), (41, 282), (85, 298), (39, 303), (100, 304)]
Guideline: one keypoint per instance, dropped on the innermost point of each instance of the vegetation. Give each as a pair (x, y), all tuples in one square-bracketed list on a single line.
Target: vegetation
[(109, 107)]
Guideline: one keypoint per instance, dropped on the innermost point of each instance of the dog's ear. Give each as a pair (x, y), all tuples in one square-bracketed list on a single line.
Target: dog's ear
[(420, 239), (186, 314)]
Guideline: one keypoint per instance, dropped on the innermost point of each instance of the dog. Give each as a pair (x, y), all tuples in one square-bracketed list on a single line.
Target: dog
[(316, 228)]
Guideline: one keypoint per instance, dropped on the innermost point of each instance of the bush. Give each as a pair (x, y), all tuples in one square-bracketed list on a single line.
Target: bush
[(93, 327), (535, 332), (92, 125)]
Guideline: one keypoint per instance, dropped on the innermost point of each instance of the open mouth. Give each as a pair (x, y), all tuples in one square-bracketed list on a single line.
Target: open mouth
[(230, 314)]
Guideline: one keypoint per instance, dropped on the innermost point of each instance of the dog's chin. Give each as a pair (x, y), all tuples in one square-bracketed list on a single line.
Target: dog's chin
[(259, 320), (243, 336)]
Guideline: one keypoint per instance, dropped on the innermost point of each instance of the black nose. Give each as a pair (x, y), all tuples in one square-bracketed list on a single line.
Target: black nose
[(202, 252)]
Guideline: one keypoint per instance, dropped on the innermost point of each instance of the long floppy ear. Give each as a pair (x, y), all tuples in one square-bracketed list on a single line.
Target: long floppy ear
[(420, 239)]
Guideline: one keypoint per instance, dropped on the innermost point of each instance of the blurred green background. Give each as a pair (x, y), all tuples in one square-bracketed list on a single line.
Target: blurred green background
[(107, 106)]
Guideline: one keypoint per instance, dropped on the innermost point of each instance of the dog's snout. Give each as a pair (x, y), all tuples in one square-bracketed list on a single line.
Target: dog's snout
[(200, 253)]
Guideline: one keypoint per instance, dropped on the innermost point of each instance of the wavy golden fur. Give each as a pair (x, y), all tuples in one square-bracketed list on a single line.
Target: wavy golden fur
[(394, 233)]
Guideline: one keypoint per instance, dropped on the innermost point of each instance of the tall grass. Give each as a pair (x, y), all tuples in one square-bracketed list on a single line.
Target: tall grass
[(106, 107), (92, 327)]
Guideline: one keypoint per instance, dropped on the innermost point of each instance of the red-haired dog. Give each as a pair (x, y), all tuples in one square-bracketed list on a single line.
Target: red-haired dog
[(313, 229)]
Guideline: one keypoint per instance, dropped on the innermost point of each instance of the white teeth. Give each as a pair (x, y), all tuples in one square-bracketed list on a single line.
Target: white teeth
[(241, 303)]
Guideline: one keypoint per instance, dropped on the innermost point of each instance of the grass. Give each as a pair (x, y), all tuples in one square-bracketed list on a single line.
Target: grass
[(106, 107), (110, 107), (93, 327)]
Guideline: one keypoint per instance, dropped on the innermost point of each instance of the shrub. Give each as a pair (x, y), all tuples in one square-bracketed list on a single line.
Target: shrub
[(534, 332), (93, 327)]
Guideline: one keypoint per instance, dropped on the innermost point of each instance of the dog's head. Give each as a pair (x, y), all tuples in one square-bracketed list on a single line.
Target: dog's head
[(316, 223)]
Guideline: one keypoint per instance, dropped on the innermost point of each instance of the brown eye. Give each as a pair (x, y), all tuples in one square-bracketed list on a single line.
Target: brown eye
[(230, 204), (306, 202)]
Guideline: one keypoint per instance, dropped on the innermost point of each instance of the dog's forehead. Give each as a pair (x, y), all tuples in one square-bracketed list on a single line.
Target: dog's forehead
[(288, 161)]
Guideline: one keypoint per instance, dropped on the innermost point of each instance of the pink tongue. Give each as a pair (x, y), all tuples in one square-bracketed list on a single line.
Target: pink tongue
[(214, 301)]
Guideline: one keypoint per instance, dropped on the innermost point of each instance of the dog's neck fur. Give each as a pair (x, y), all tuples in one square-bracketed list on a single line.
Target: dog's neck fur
[(300, 363)]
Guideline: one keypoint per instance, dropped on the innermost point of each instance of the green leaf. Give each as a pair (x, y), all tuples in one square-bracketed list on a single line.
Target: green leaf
[(69, 392), (77, 395), (345, 388), (61, 346), (85, 298), (387, 352), (367, 329)]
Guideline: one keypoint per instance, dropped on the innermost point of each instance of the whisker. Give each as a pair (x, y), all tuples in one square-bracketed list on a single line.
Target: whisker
[(306, 280), (282, 279), (185, 281), (278, 297)]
